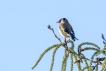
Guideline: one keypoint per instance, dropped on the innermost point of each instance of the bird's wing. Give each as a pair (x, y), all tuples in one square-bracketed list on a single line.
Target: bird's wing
[(70, 32), (67, 30)]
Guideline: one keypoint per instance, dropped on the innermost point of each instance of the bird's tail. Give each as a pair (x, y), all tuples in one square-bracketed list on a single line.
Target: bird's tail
[(76, 38), (73, 37)]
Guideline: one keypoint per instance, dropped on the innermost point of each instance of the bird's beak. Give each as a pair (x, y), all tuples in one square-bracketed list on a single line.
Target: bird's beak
[(57, 22)]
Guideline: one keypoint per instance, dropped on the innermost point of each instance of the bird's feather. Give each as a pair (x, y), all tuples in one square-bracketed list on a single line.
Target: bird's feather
[(66, 29), (64, 32), (71, 33)]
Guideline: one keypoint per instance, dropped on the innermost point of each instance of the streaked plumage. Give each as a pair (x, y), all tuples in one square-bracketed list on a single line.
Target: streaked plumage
[(66, 29)]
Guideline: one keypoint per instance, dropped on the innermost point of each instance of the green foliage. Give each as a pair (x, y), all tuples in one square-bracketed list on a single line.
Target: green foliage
[(104, 65), (71, 62), (64, 62), (86, 67), (54, 52), (78, 57), (49, 48), (88, 43)]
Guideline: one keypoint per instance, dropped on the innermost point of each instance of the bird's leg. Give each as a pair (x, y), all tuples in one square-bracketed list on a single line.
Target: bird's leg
[(65, 41)]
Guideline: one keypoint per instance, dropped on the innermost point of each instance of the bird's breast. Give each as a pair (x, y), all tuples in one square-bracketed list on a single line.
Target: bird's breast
[(63, 33)]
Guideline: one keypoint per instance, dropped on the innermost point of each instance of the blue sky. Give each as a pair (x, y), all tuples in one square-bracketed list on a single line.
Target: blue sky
[(24, 34)]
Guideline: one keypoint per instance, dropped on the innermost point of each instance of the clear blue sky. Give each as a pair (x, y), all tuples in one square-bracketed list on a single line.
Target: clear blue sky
[(24, 34)]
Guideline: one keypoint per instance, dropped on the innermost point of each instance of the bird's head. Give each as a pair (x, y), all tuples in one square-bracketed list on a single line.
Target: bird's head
[(62, 20)]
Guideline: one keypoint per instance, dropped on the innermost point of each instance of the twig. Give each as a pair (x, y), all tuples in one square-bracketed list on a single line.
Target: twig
[(49, 27)]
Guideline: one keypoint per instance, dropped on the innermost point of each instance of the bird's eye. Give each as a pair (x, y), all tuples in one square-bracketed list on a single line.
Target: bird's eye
[(64, 19)]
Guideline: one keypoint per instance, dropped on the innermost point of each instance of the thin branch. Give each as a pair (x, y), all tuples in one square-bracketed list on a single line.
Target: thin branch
[(49, 27)]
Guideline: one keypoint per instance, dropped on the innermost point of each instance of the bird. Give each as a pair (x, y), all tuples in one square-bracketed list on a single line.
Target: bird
[(65, 29)]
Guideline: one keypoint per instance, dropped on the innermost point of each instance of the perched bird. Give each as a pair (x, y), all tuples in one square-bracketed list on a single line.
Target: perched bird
[(66, 29)]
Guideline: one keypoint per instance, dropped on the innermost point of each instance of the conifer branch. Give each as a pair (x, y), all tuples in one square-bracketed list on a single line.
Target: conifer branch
[(71, 57), (71, 62), (64, 62), (54, 52), (104, 65), (49, 48), (86, 67)]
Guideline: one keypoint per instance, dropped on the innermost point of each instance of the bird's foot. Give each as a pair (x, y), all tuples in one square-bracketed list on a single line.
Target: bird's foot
[(65, 42)]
